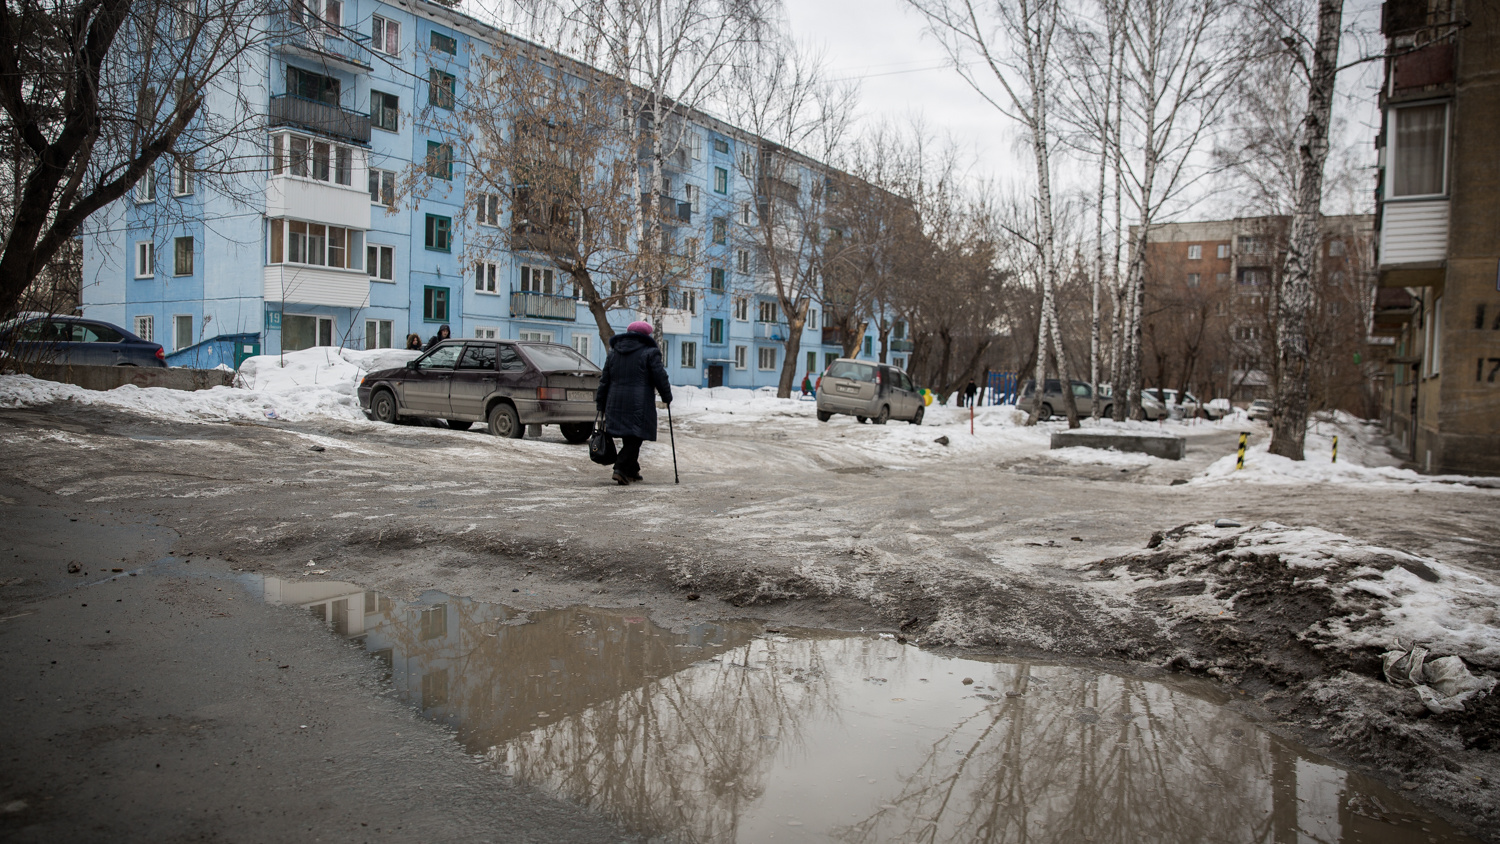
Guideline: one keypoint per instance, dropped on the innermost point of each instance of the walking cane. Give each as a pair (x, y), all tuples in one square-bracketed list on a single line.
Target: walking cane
[(673, 435)]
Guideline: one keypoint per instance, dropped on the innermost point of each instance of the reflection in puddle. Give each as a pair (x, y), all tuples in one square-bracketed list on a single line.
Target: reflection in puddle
[(719, 734)]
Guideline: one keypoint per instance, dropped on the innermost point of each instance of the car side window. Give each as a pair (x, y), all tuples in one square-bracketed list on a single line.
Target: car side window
[(97, 333), (478, 357), (905, 381), (510, 360), (1081, 390), (442, 357)]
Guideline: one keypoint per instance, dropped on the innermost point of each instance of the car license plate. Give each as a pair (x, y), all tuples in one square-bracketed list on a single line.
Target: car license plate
[(847, 388), (580, 395)]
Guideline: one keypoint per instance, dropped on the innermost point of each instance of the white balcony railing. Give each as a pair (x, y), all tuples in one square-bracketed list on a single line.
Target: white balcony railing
[(1413, 232)]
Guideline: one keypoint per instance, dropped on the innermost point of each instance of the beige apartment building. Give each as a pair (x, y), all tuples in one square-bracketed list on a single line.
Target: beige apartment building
[(1439, 232)]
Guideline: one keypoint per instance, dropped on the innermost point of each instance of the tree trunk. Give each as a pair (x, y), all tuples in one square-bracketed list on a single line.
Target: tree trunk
[(796, 317), (1294, 299)]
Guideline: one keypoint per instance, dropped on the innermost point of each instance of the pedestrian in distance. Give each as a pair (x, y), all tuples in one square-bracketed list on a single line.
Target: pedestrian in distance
[(969, 392), (442, 334), (414, 342), (807, 384), (632, 372)]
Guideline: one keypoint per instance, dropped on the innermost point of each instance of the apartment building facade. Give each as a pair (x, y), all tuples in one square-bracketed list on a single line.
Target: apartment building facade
[(1439, 248), (1209, 321), (329, 242)]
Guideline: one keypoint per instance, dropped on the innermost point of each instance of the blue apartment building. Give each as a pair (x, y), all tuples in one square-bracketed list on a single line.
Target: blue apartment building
[(314, 252)]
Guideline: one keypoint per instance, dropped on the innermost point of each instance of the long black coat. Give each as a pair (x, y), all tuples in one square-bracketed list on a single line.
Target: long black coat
[(633, 369)]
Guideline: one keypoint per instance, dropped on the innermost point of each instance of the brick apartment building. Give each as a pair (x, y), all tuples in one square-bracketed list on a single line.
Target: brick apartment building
[(1439, 246), (1209, 321)]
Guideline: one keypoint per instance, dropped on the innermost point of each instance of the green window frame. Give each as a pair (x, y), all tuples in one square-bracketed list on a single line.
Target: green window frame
[(721, 230), (716, 332), (439, 233), (716, 279), (721, 146), (434, 304), (721, 180), (440, 160), (441, 88)]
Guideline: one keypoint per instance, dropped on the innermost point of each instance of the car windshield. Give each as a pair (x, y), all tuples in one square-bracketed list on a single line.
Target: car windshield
[(551, 357), (852, 371)]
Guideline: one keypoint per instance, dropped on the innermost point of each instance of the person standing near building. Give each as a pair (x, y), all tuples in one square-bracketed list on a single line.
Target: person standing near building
[(443, 333), (632, 372), (414, 342), (969, 393)]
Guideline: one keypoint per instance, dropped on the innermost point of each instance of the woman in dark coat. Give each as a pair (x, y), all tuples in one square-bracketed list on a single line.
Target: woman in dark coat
[(632, 372), (443, 333), (414, 342)]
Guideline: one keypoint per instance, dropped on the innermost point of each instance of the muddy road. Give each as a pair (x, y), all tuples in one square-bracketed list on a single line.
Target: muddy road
[(985, 552)]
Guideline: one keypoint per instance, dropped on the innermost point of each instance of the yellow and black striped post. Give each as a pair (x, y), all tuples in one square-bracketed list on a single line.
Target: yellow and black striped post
[(1335, 448), (1240, 463)]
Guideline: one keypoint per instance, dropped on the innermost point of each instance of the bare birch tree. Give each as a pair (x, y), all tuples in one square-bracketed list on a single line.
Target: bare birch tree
[(1011, 42)]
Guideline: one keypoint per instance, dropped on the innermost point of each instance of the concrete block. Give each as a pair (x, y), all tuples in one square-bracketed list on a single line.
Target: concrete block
[(110, 377), (1165, 446)]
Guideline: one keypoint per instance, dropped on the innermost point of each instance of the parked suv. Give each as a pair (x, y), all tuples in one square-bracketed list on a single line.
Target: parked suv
[(504, 384), (1052, 398), (74, 340), (866, 390)]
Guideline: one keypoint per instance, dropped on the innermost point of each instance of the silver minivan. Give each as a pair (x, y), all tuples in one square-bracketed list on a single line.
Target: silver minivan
[(868, 391)]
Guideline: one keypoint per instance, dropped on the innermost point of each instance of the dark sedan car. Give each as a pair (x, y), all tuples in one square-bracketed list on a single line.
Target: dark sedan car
[(507, 385), (75, 340)]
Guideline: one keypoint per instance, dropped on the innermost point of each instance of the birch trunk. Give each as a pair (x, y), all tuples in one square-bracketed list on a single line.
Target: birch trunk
[(1294, 299)]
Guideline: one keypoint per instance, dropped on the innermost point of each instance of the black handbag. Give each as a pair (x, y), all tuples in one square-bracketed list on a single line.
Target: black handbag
[(601, 445)]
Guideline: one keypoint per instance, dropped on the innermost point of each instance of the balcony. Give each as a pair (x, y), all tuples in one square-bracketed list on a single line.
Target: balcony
[(543, 306), (901, 345), (1413, 235), (833, 335), (304, 285), (325, 119), (334, 46), (673, 211), (771, 331)]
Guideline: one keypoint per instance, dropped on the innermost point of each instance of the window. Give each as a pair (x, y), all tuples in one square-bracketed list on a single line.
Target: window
[(382, 187), (1221, 278), (145, 327), (312, 86), (721, 146), (182, 331), (721, 230), (297, 242), (1253, 277), (694, 197), (537, 280), (486, 332), (812, 319), (182, 256), (1335, 248), (721, 180), (535, 337), (444, 43), (145, 189), (716, 279), (1419, 145), (1192, 279), (385, 36), (716, 332), (440, 160), (869, 345), (478, 356), (488, 212), (1195, 252), (739, 357), (1434, 328), (439, 233), (297, 155), (486, 277), (695, 143), (184, 19), (182, 175), (689, 354), (145, 259), (381, 262), (385, 110), (1223, 251), (1252, 245), (765, 358), (435, 304), (745, 213), (301, 331), (581, 344), (741, 308), (769, 312), (378, 333), (440, 88), (742, 260)]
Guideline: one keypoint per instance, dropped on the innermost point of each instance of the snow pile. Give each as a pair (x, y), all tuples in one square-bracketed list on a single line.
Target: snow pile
[(1271, 574), (318, 382)]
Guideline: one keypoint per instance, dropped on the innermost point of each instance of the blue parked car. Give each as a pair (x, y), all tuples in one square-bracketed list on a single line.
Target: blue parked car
[(75, 340)]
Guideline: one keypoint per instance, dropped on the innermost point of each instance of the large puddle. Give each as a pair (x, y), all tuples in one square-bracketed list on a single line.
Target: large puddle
[(725, 733)]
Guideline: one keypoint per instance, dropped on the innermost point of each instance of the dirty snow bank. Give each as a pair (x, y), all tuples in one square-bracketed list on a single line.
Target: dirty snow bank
[(1329, 591), (318, 382)]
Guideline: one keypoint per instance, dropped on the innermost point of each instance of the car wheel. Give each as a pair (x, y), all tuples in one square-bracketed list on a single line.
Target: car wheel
[(824, 416), (504, 422), (1109, 412), (1045, 413), (383, 407), (577, 432), (459, 424), (861, 419), (884, 416), (917, 419)]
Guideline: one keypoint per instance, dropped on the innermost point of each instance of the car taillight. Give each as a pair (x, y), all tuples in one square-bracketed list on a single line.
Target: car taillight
[(160, 354), (552, 394)]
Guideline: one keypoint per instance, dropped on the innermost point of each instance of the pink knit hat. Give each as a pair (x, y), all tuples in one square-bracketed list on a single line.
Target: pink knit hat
[(640, 326)]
